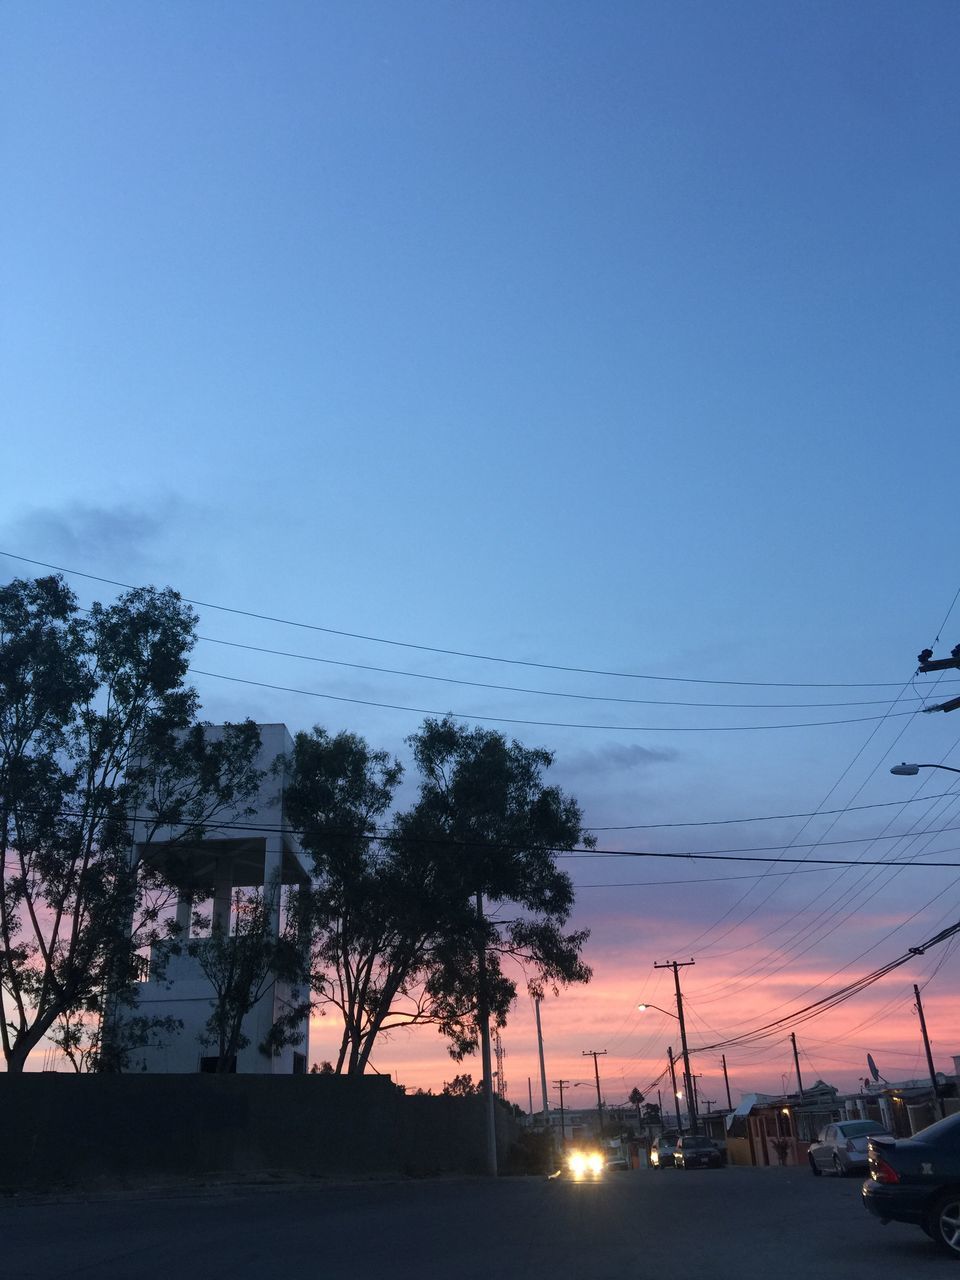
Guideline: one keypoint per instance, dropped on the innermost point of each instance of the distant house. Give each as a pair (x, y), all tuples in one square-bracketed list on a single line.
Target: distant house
[(769, 1130)]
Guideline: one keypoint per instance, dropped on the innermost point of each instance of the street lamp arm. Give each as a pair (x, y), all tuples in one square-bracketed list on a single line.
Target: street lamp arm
[(905, 770), (643, 1007)]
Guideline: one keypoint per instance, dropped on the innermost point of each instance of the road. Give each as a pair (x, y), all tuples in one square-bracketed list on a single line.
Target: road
[(727, 1224)]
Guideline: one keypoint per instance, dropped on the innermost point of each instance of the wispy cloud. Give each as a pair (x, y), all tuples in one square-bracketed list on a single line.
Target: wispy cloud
[(614, 757), (120, 539)]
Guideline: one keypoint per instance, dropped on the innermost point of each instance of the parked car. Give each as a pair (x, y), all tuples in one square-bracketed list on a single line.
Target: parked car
[(694, 1152), (841, 1148), (918, 1180), (662, 1151)]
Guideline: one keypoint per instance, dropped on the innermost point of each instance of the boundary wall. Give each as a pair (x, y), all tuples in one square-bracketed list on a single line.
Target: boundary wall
[(132, 1130)]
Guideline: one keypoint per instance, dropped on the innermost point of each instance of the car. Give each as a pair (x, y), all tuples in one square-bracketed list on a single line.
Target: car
[(585, 1163), (841, 1148), (917, 1180), (696, 1152), (662, 1151)]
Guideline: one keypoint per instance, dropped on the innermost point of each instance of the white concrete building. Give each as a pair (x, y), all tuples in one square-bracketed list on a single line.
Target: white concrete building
[(248, 851)]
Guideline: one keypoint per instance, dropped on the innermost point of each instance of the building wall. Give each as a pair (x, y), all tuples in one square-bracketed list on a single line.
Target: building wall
[(130, 1130), (183, 992)]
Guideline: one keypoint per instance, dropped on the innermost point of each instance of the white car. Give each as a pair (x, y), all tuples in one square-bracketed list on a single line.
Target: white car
[(663, 1150)]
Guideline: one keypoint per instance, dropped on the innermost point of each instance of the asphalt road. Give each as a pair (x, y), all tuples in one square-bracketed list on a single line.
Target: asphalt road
[(727, 1224)]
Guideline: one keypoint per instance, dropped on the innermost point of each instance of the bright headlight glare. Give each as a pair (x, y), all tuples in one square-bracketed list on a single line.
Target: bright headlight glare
[(596, 1163), (577, 1162)]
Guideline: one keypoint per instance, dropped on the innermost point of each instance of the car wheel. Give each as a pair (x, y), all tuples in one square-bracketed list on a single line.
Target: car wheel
[(815, 1168), (838, 1168), (944, 1220)]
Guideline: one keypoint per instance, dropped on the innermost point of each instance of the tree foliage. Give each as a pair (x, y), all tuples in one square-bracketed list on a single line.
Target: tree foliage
[(96, 726), (489, 828), (242, 964), (397, 937), (367, 945)]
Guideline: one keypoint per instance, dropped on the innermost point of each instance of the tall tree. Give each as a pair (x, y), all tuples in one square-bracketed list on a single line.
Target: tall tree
[(364, 919), (491, 827), (397, 938), (96, 727)]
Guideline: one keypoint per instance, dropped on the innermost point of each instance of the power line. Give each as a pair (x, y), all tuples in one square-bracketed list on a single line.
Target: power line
[(830, 1001), (543, 724), (460, 653), (770, 817), (542, 693)]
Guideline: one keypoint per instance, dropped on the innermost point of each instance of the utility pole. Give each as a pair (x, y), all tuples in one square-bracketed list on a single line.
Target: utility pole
[(676, 966), (926, 1044), (673, 1077), (563, 1132), (660, 1110), (796, 1063), (595, 1054), (726, 1080), (929, 663), (543, 1069), (483, 1018), (696, 1093)]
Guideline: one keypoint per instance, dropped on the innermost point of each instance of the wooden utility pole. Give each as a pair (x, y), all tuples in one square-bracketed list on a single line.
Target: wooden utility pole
[(796, 1062), (595, 1054), (673, 1077), (563, 1132), (926, 1045), (543, 1069), (928, 663), (483, 1019), (676, 966), (726, 1080)]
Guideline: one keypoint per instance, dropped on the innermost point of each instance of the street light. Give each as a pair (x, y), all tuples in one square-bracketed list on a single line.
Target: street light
[(688, 1076), (905, 770)]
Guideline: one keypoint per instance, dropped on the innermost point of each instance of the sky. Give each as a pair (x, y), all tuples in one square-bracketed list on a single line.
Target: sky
[(577, 338)]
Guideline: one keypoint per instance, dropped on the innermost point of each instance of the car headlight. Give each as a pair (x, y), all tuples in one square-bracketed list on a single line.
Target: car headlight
[(577, 1162), (595, 1163)]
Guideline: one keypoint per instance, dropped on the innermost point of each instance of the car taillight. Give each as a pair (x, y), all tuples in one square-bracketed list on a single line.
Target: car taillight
[(883, 1172)]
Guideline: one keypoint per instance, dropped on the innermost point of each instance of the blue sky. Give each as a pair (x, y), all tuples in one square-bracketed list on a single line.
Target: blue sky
[(616, 336)]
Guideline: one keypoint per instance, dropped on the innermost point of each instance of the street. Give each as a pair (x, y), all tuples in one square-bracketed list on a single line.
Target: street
[(728, 1224)]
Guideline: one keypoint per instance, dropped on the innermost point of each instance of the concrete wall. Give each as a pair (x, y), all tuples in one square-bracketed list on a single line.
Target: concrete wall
[(104, 1131)]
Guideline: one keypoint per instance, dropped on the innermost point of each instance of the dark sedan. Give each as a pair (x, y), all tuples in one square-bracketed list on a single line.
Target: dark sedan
[(697, 1153), (918, 1180)]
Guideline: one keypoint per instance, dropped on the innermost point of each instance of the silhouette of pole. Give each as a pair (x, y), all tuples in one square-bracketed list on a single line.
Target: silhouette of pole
[(676, 966), (483, 1019), (926, 1046), (726, 1081), (796, 1062), (595, 1054), (673, 1077), (563, 1131), (543, 1069)]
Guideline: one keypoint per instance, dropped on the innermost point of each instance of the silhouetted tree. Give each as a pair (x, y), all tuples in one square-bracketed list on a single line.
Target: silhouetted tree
[(396, 934), (242, 964), (96, 725)]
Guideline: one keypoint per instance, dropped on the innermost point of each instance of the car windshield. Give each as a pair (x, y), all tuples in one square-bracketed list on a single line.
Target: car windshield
[(856, 1128), (697, 1144)]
